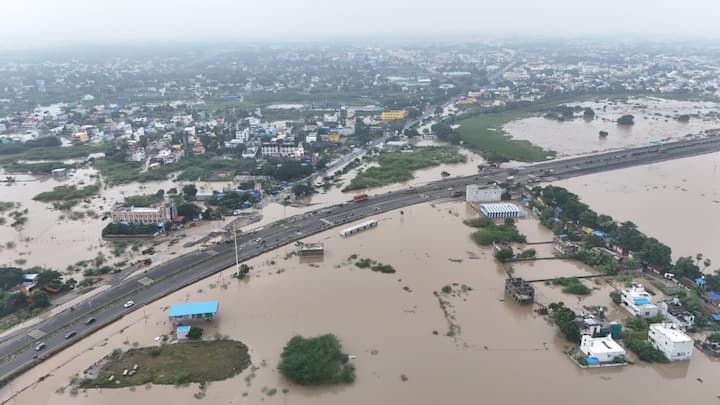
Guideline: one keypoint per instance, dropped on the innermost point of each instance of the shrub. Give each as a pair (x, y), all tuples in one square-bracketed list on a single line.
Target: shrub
[(195, 332), (315, 361)]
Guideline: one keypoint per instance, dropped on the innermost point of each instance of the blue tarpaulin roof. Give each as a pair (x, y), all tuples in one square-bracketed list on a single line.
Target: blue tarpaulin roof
[(592, 360), (714, 296), (715, 317), (700, 281), (183, 328), (195, 308), (641, 301), (598, 233)]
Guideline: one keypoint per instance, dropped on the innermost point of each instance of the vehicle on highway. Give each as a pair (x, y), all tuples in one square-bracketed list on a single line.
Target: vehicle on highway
[(70, 334), (39, 347), (458, 193), (90, 320), (129, 304), (360, 197)]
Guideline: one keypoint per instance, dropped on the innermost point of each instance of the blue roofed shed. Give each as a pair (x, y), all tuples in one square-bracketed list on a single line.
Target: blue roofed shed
[(182, 331), (193, 311)]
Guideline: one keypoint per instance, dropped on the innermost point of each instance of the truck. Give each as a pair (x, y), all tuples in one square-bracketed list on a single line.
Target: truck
[(458, 193), (360, 197)]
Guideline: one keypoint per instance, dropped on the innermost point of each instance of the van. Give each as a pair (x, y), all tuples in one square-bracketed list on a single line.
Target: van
[(39, 347)]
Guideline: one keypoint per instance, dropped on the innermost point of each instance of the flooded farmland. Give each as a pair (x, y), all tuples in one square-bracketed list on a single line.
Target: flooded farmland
[(501, 353), (655, 120)]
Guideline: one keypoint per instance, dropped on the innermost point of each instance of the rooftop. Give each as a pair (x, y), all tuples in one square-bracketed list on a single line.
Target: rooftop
[(601, 345), (675, 335), (195, 308)]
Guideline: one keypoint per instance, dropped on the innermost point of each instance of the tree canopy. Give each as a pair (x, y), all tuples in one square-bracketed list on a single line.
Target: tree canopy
[(315, 361)]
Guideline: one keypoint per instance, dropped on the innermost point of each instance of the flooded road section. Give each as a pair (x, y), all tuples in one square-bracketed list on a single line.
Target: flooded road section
[(655, 120), (677, 202), (500, 353)]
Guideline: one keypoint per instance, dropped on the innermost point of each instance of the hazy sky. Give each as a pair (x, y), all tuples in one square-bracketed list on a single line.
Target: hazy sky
[(50, 22)]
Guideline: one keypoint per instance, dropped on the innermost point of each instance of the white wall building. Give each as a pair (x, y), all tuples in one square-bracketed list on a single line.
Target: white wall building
[(674, 312), (500, 210), (282, 150), (673, 342), (637, 301), (475, 193), (605, 349)]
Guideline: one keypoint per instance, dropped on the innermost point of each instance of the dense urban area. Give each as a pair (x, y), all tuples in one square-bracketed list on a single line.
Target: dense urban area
[(236, 192)]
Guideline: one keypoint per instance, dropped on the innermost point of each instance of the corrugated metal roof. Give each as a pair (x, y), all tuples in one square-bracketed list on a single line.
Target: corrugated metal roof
[(209, 307)]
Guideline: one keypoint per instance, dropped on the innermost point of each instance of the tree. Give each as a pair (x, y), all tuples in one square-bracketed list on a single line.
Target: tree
[(315, 361), (195, 333), (686, 267), (188, 210), (626, 120), (40, 299), (629, 237), (49, 278), (706, 263), (656, 253), (70, 283), (10, 277), (302, 189), (698, 258), (589, 218), (190, 191), (505, 254), (591, 241)]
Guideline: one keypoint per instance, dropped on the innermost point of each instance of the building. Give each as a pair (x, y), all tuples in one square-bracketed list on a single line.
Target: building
[(393, 115), (673, 342), (145, 215), (182, 331), (500, 210), (197, 311), (475, 193), (674, 312), (520, 290), (311, 249), (280, 150), (61, 172), (600, 349), (359, 227), (637, 301), (564, 246)]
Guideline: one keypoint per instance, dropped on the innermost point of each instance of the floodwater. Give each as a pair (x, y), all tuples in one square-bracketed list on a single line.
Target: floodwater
[(501, 353), (677, 202), (654, 121)]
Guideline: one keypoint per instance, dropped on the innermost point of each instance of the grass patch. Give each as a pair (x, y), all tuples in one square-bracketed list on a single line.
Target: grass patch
[(396, 167), (484, 134), (179, 364), (490, 232), (571, 285), (6, 205), (375, 266), (142, 200), (64, 193)]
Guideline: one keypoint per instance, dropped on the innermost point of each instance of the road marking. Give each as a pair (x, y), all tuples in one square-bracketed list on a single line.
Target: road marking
[(326, 222), (146, 281), (36, 334)]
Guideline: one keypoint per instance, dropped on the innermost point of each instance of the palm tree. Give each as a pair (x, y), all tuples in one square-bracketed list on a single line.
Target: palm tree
[(698, 257), (707, 262)]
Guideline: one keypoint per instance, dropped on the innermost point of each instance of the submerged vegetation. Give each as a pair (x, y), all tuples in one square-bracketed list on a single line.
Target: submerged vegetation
[(396, 167), (64, 193), (374, 266), (571, 285), (490, 232), (316, 361)]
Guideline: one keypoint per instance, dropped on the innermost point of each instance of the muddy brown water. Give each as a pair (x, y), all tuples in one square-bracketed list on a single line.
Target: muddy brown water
[(503, 353), (580, 136)]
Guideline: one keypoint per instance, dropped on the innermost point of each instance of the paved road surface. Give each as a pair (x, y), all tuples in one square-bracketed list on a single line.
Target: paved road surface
[(17, 350)]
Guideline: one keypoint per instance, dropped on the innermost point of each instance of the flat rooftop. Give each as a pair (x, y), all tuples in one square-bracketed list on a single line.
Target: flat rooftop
[(195, 308), (675, 335)]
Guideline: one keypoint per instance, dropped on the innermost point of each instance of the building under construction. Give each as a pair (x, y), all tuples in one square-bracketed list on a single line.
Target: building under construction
[(310, 249), (520, 290)]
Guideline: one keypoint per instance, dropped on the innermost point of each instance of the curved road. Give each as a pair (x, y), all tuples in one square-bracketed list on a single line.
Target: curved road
[(18, 350)]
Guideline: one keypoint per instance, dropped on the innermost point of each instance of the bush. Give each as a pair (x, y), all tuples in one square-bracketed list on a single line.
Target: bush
[(527, 254), (616, 297), (315, 361), (195, 333), (572, 285)]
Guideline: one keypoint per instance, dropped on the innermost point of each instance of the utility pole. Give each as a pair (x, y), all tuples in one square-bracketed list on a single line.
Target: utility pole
[(237, 262)]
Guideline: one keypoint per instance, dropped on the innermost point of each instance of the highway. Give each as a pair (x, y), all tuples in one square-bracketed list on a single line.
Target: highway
[(17, 350)]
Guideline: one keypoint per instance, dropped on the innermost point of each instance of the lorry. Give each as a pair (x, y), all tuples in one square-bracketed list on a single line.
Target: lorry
[(360, 197), (458, 193)]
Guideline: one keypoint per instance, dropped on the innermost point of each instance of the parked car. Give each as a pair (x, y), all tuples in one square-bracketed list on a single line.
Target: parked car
[(40, 346), (129, 304), (70, 334), (90, 320)]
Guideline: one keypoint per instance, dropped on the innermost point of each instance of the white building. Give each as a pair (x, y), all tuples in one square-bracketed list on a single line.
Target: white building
[(605, 349), (637, 301), (272, 149), (144, 215), (475, 193), (673, 342), (500, 210), (674, 312)]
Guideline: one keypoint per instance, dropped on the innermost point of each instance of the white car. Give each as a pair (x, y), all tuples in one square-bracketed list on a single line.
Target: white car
[(129, 304)]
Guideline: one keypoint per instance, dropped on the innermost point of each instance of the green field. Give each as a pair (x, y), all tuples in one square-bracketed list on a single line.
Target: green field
[(484, 134), (396, 167), (175, 364)]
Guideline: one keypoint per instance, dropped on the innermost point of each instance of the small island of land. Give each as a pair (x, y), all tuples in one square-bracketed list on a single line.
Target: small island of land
[(171, 364), (316, 361)]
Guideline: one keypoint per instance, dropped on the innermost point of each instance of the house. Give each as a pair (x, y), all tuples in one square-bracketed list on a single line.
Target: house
[(670, 340), (182, 331), (564, 246), (206, 311), (601, 349), (637, 301), (674, 312), (145, 215), (393, 115)]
